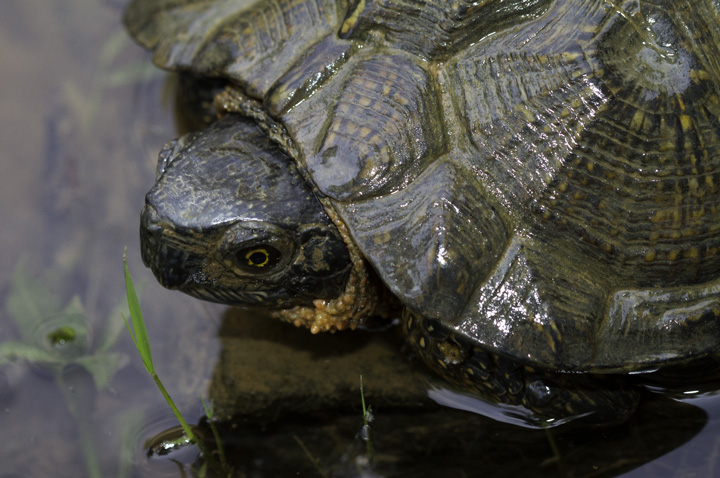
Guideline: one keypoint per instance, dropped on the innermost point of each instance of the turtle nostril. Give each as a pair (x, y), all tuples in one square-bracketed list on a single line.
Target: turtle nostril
[(149, 217), (150, 232), (165, 256)]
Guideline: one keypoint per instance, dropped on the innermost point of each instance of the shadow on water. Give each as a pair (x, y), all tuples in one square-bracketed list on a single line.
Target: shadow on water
[(83, 116), (304, 414), (447, 442)]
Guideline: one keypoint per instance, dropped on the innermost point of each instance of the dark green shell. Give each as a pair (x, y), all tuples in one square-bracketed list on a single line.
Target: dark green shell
[(541, 176)]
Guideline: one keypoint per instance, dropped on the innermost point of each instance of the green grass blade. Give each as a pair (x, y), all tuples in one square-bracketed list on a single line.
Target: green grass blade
[(366, 421), (113, 329), (140, 336), (129, 329), (209, 413), (142, 343)]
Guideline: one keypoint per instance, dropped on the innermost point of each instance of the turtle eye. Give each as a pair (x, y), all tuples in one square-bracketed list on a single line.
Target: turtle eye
[(258, 258)]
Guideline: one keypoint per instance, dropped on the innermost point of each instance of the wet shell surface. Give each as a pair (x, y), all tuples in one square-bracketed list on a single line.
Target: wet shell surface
[(540, 177)]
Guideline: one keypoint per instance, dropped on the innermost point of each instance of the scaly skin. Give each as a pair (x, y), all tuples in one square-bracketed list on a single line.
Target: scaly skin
[(358, 302), (548, 394)]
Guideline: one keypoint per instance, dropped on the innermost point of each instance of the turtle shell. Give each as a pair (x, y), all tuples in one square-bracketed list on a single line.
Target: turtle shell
[(540, 176)]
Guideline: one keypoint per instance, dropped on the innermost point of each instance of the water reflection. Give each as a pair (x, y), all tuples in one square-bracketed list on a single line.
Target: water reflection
[(452, 443), (411, 435)]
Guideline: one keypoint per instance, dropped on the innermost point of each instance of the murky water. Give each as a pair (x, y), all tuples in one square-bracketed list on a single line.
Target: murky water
[(83, 116)]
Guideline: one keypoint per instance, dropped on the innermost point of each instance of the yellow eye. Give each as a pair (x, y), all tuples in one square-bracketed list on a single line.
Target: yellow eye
[(257, 257)]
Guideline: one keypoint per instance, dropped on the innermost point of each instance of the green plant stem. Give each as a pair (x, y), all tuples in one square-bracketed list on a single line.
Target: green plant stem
[(214, 464), (310, 456), (139, 335), (186, 428), (368, 442), (88, 447), (211, 423), (128, 422), (78, 406)]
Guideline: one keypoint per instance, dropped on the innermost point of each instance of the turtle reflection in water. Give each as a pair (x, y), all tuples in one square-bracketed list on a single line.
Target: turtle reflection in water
[(535, 182)]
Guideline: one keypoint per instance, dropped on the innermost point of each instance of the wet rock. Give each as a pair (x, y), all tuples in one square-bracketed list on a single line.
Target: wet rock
[(269, 368)]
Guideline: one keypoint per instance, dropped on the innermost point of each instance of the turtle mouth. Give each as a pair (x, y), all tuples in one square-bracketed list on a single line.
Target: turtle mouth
[(226, 296)]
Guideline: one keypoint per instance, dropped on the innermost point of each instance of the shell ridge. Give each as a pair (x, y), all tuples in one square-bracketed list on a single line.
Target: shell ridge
[(538, 305), (430, 248), (386, 102)]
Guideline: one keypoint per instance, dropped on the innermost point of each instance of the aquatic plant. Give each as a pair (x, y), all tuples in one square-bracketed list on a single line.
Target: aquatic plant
[(139, 335), (54, 336), (58, 339)]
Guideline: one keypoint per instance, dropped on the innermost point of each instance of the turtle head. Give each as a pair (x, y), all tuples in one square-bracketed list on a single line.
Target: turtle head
[(231, 220)]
